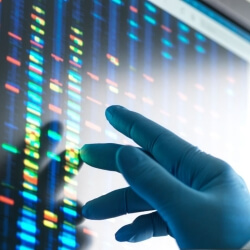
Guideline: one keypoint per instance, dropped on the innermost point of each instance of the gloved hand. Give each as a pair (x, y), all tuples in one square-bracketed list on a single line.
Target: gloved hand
[(198, 199)]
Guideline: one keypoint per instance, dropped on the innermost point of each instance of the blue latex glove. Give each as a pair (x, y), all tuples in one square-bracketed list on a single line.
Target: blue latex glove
[(196, 198)]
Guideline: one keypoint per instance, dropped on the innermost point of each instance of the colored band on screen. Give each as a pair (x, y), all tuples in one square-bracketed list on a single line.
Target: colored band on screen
[(27, 224)]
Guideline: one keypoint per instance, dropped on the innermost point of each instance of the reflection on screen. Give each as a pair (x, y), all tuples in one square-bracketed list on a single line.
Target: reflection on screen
[(62, 63)]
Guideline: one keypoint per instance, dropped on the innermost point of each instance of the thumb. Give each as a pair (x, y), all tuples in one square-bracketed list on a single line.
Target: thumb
[(153, 183)]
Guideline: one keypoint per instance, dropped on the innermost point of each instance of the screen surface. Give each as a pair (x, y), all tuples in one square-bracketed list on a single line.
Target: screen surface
[(62, 64)]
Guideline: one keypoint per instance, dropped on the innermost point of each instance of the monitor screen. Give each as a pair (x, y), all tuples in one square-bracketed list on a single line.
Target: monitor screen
[(63, 62)]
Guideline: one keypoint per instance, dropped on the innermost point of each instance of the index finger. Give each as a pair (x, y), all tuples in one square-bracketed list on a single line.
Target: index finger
[(166, 147)]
